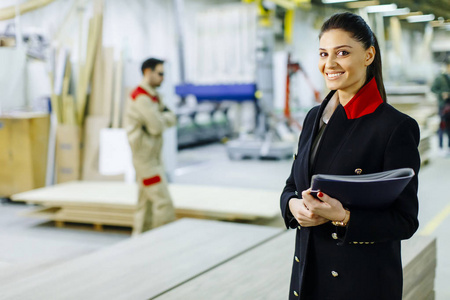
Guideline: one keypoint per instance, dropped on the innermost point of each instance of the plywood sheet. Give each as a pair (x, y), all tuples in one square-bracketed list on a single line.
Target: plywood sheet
[(145, 266)]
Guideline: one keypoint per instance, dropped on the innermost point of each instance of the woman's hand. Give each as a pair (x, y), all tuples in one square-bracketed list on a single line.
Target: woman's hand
[(304, 216), (328, 208)]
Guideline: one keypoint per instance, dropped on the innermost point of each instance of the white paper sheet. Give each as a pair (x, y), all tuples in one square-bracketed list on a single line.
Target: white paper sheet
[(115, 156)]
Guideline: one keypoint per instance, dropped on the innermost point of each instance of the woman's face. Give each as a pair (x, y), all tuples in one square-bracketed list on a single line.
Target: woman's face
[(343, 61)]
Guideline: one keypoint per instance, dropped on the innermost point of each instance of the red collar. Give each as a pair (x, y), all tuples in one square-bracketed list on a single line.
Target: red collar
[(139, 90), (365, 102)]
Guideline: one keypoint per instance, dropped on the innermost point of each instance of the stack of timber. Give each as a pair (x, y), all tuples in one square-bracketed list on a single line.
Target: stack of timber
[(114, 203)]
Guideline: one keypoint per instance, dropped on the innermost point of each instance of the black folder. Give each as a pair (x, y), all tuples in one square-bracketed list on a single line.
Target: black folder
[(374, 191)]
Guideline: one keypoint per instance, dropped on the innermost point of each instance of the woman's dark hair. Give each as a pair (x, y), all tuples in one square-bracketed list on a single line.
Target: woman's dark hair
[(360, 31)]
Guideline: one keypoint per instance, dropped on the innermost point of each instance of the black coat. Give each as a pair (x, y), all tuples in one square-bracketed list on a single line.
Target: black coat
[(363, 261)]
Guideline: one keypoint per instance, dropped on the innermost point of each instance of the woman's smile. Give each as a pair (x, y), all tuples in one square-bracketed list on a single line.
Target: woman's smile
[(334, 76)]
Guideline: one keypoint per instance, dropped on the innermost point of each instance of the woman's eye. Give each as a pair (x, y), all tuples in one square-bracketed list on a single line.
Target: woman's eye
[(323, 54), (343, 53)]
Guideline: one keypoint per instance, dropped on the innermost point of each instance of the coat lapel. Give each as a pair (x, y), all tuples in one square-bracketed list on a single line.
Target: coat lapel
[(305, 161), (336, 134)]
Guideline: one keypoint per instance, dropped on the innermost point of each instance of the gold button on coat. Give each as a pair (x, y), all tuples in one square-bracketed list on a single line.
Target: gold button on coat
[(334, 273), (334, 236), (358, 171), (299, 227), (296, 294), (296, 259)]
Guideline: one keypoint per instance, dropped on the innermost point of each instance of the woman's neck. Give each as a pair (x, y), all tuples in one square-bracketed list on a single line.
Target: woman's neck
[(346, 95)]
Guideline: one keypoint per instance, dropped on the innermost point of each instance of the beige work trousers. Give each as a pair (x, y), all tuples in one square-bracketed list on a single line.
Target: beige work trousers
[(155, 207)]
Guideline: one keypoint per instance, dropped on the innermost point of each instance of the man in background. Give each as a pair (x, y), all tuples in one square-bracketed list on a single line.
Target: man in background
[(146, 118), (441, 87)]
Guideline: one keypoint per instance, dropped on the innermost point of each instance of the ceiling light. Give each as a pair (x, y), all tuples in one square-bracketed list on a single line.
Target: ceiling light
[(381, 8), (422, 18), (336, 1), (361, 4), (397, 12)]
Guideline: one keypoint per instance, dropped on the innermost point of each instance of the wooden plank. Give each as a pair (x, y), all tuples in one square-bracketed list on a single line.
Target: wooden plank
[(39, 135), (227, 203), (96, 99), (108, 77), (69, 117), (273, 259), (9, 12), (117, 102), (43, 212), (144, 266), (95, 27), (22, 171), (7, 163), (97, 215)]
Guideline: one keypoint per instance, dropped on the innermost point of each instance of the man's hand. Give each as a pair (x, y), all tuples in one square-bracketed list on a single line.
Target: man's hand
[(304, 217)]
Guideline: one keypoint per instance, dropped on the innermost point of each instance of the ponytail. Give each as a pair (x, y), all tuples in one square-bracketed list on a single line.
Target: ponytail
[(376, 70)]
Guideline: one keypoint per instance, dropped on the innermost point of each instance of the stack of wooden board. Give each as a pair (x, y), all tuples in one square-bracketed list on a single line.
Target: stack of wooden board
[(419, 267), (143, 267), (264, 273), (113, 203), (198, 259), (417, 107)]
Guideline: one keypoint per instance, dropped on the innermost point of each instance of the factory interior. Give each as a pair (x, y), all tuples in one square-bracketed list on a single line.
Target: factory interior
[(239, 78)]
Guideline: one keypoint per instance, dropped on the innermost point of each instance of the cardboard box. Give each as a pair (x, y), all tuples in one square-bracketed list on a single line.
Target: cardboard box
[(68, 149)]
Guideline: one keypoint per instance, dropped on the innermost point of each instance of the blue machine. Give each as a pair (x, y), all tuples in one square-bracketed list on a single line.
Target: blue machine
[(218, 92), (190, 132)]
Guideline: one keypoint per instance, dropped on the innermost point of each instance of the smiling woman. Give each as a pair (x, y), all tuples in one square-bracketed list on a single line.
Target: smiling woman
[(349, 253)]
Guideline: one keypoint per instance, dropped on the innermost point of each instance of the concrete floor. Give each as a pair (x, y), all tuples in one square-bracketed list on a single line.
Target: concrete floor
[(28, 245)]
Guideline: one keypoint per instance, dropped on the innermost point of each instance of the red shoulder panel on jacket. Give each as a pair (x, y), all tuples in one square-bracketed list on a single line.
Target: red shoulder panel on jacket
[(139, 91), (365, 102)]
